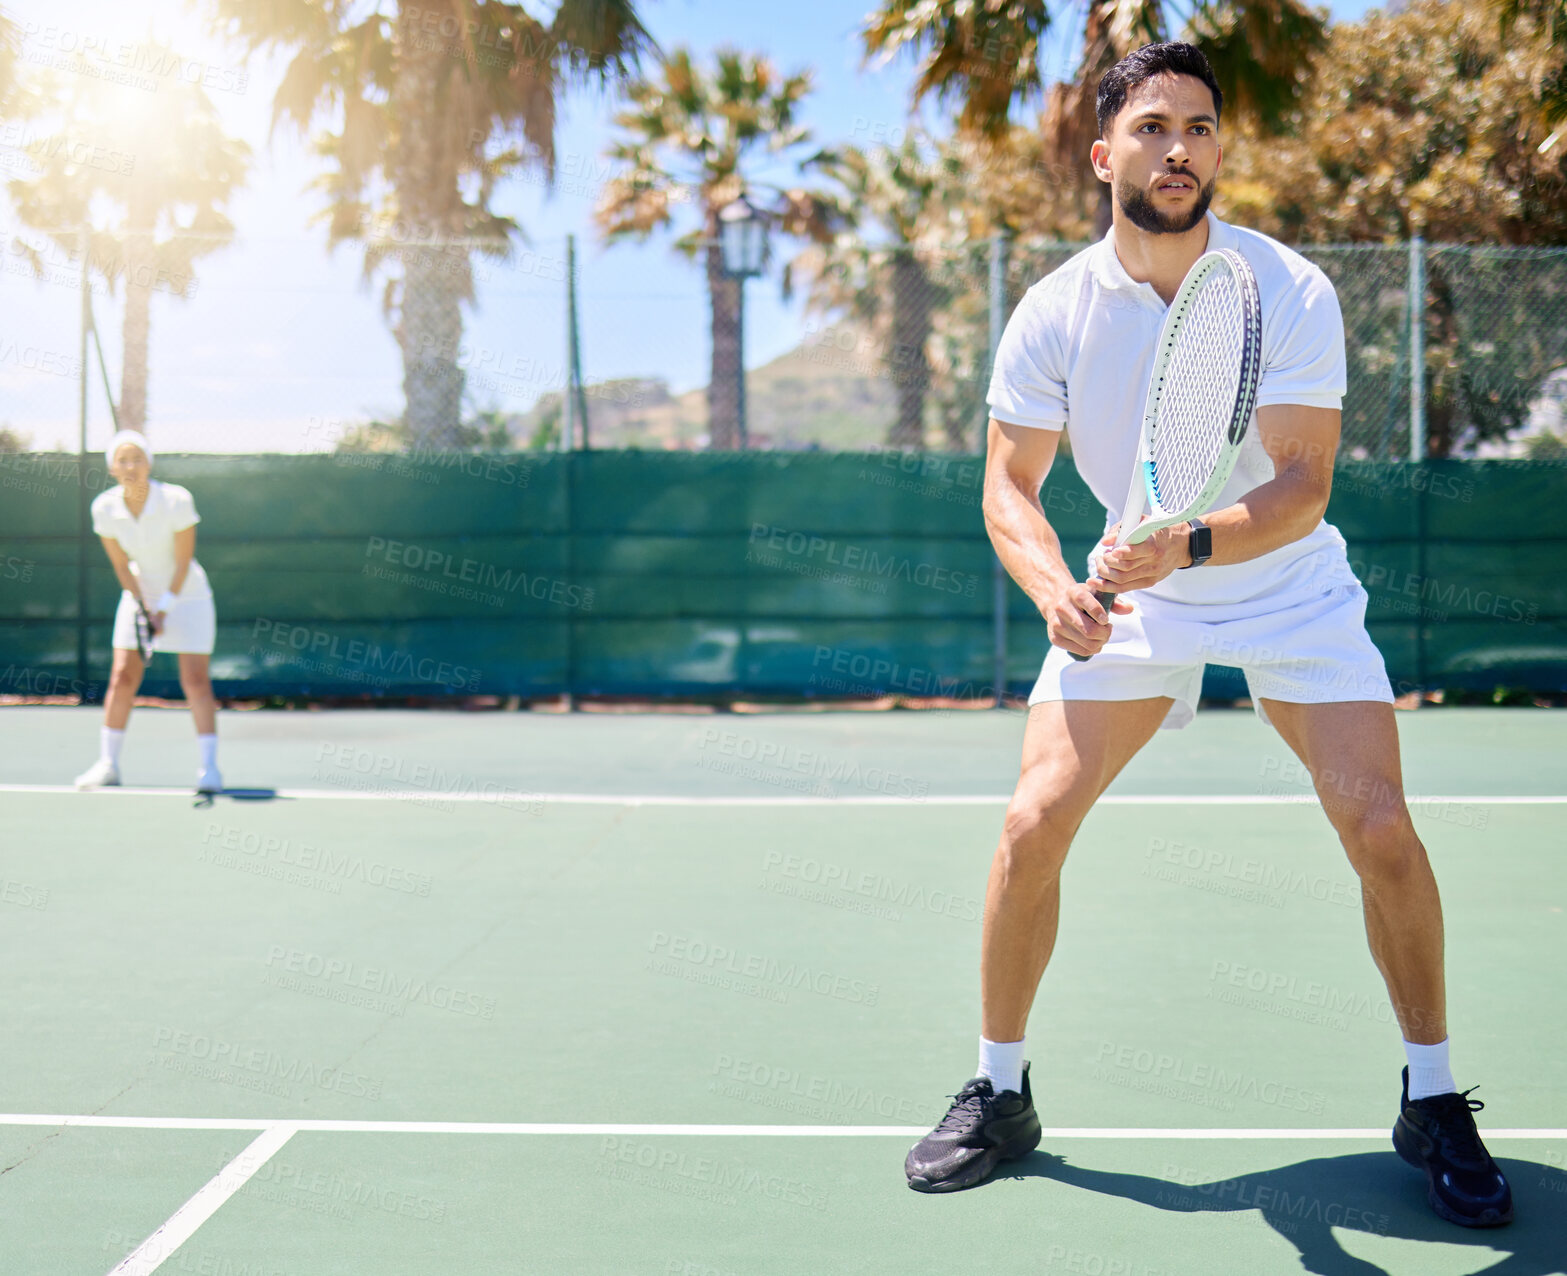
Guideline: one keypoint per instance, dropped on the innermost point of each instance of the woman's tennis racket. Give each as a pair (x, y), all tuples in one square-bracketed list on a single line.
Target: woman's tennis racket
[(144, 630), (1200, 399)]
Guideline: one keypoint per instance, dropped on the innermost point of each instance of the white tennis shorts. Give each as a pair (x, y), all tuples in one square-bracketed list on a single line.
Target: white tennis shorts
[(1313, 650), (191, 627)]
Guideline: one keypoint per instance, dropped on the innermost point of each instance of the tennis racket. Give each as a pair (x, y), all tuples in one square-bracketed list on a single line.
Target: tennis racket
[(1200, 399), (144, 630)]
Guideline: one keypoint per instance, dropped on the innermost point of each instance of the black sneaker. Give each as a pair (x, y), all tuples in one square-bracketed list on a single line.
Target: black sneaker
[(1438, 1135), (980, 1129)]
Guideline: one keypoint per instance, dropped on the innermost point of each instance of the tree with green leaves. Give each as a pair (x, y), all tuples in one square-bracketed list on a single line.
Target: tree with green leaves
[(1421, 122), (1541, 20), (148, 174), (910, 269), (874, 272), (1430, 122), (418, 112), (696, 139), (985, 54)]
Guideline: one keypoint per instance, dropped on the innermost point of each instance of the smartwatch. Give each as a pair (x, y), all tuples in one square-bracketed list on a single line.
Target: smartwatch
[(1201, 543)]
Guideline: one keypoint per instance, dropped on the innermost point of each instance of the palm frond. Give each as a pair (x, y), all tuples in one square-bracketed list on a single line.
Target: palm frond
[(982, 53), (1263, 53), (604, 39), (260, 25)]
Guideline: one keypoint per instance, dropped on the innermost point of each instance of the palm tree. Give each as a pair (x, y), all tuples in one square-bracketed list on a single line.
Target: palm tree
[(986, 54), (687, 139), (163, 164), (885, 286), (420, 111)]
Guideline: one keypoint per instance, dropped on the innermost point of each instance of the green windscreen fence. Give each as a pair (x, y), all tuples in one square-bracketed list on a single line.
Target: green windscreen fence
[(676, 575)]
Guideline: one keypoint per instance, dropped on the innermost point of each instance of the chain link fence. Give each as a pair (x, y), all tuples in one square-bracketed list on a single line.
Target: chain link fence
[(1491, 340), (272, 343), (1496, 351)]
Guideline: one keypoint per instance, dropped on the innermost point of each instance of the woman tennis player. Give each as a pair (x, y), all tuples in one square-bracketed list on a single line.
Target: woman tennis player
[(148, 530)]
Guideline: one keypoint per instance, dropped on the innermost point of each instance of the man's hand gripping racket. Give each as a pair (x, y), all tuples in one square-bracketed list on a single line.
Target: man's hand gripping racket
[(1201, 396)]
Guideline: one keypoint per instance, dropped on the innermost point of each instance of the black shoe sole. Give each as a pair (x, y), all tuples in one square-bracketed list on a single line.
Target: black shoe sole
[(982, 1167), (1486, 1218)]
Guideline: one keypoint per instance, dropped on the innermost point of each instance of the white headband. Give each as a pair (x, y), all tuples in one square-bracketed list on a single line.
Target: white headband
[(134, 437)]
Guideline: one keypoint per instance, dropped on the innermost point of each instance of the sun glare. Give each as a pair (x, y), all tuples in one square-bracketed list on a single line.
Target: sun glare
[(133, 53)]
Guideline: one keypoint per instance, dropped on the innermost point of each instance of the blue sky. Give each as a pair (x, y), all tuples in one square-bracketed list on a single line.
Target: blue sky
[(282, 345)]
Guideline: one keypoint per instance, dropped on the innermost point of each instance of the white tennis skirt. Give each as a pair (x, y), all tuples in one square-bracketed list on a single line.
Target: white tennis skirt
[(192, 627), (1315, 651)]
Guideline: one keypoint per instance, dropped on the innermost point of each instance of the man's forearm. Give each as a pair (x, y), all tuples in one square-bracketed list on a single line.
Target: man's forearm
[(1025, 542), (1277, 513), (1302, 442)]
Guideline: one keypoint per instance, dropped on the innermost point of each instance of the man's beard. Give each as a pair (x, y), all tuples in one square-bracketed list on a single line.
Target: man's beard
[(1139, 208)]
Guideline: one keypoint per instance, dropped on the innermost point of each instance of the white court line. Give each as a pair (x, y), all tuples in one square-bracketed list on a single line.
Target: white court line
[(515, 797), (182, 1224), (708, 1131)]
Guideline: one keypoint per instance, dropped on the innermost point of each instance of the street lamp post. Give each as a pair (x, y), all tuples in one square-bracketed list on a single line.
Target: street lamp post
[(742, 242)]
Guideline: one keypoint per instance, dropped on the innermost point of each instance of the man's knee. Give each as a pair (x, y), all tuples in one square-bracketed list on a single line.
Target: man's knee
[(1042, 819), (1380, 839)]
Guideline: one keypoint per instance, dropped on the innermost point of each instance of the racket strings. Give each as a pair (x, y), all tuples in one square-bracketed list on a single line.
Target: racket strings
[(1202, 381)]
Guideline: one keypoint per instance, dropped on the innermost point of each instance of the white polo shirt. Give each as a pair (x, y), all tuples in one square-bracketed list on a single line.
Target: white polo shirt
[(1077, 354), (148, 539)]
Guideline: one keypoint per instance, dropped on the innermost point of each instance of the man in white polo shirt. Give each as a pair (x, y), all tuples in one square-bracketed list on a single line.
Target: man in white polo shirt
[(1262, 582)]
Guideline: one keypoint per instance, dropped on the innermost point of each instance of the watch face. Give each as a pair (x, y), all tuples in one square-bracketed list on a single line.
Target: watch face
[(1202, 544)]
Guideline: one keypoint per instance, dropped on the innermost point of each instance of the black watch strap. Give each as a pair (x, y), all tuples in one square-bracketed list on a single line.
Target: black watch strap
[(1201, 543)]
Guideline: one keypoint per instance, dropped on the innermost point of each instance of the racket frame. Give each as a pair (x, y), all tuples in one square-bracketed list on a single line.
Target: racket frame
[(1143, 495)]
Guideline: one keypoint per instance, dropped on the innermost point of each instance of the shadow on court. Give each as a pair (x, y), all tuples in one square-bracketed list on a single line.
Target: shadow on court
[(204, 800), (1367, 1191)]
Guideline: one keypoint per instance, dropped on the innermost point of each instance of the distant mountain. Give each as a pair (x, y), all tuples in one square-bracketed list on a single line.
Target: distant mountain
[(832, 392)]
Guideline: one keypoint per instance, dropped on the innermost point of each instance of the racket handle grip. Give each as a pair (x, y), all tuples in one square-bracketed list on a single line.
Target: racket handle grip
[(1104, 599)]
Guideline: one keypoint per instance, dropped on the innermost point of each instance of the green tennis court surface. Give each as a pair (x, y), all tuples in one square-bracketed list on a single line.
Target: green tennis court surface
[(362, 1026)]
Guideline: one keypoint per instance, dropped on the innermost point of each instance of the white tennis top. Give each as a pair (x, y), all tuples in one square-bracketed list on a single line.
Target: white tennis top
[(1077, 354), (148, 539)]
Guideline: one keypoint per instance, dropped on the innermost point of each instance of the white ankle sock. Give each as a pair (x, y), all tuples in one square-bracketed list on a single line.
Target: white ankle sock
[(1002, 1062), (1429, 1072), (209, 751), (110, 742)]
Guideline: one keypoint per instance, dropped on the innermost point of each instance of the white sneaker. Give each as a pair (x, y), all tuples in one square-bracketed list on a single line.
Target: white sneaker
[(101, 774), (209, 781)]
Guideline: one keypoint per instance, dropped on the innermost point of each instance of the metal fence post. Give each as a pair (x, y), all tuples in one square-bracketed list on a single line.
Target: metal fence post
[(1417, 350), (1417, 426), (83, 516), (569, 479), (575, 389), (568, 395), (999, 245)]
